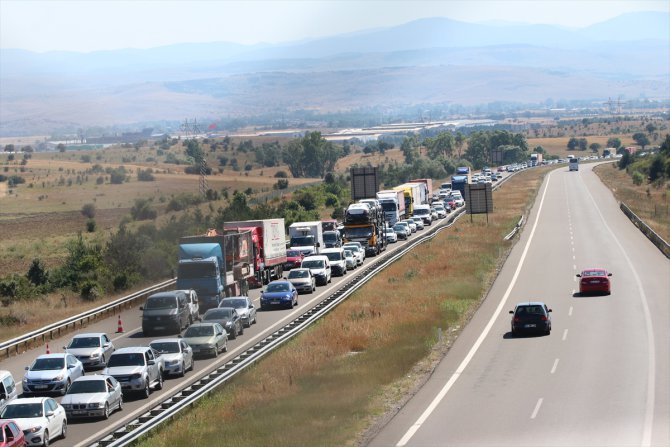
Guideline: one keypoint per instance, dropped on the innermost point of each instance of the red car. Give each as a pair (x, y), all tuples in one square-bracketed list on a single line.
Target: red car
[(594, 281), (11, 435), (293, 259)]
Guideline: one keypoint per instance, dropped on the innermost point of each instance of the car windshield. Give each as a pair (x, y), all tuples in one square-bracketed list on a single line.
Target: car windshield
[(302, 241), (161, 302), (594, 273), (130, 359), (166, 347), (330, 237), (236, 303), (85, 342), (87, 386), (223, 313), (530, 310), (334, 256), (353, 248), (21, 411), (194, 270), (277, 287), (399, 227), (313, 264), (48, 364), (352, 232), (199, 331), (421, 212), (293, 253), (298, 274), (348, 253)]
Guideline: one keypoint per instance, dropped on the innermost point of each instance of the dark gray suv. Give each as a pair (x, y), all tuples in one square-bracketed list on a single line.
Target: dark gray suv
[(166, 312)]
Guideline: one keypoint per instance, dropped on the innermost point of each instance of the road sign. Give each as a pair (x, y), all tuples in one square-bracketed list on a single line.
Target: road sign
[(364, 183), (479, 198)]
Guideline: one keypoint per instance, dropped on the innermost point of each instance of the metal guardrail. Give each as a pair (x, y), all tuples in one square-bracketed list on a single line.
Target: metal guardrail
[(517, 227), (654, 237), (47, 333)]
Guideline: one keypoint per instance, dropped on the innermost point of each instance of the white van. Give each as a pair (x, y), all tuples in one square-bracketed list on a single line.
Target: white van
[(8, 390), (338, 262), (573, 164), (423, 211), (320, 267)]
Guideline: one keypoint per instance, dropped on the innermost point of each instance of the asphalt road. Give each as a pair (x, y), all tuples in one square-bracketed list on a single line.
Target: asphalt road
[(602, 378), (84, 432)]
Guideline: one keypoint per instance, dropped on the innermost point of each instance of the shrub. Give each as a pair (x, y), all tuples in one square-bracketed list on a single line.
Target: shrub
[(281, 184), (37, 273), (145, 175), (100, 180), (88, 210), (90, 290), (638, 178), (121, 282), (183, 201), (90, 225), (142, 210), (281, 174)]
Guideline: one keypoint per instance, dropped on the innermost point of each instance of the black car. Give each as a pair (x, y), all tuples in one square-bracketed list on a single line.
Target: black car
[(226, 317), (532, 316)]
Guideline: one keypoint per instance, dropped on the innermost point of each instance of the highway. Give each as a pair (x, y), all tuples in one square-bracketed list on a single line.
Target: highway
[(601, 378), (85, 432)]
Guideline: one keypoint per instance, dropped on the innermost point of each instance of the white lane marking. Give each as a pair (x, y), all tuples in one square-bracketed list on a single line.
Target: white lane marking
[(573, 257), (570, 311), (565, 334), (553, 368), (537, 408), (464, 363), (574, 267), (126, 334), (651, 361), (573, 249)]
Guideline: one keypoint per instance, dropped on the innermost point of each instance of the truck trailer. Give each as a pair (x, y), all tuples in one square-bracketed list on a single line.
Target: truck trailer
[(306, 237), (393, 204), (429, 187), (215, 265), (268, 244)]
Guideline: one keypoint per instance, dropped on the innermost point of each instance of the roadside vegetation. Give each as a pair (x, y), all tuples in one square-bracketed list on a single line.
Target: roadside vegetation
[(643, 183), (328, 385)]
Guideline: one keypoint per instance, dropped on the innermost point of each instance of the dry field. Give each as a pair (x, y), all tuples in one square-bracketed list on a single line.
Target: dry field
[(651, 204), (329, 385)]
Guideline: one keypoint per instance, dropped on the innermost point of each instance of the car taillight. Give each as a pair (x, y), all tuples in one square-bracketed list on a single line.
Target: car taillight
[(543, 318), (517, 319)]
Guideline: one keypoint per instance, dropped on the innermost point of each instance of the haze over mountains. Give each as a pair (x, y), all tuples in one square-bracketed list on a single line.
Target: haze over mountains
[(427, 61)]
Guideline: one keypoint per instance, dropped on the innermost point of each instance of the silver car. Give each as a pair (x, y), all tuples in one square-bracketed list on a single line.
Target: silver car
[(351, 259), (93, 396), (357, 249), (302, 280), (92, 349), (51, 373), (177, 355), (419, 222), (207, 338), (244, 307)]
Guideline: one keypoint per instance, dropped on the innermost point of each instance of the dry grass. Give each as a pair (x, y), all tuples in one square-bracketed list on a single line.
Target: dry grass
[(325, 387), (651, 204), (559, 145)]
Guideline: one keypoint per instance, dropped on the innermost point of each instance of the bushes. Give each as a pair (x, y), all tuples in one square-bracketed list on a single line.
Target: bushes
[(88, 210), (183, 201), (142, 210), (638, 178), (145, 175)]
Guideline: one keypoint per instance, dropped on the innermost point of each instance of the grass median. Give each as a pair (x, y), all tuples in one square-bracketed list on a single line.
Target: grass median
[(331, 384)]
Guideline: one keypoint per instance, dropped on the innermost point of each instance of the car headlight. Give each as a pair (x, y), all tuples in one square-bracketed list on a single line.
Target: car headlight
[(59, 377), (171, 362), (229, 323), (210, 345), (135, 376), (98, 405), (95, 355), (35, 429)]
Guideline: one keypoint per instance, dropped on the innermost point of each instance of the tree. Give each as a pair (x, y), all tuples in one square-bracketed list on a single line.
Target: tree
[(573, 144), (583, 144), (37, 273), (595, 147), (409, 149), (60, 147), (194, 151), (614, 142), (625, 160), (657, 168), (651, 128), (665, 146), (459, 142), (443, 144), (142, 210), (9, 148), (88, 210), (641, 139)]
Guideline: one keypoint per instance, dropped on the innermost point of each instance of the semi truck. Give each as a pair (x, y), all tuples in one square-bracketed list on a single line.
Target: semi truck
[(464, 170), (268, 244), (409, 198), (535, 159), (215, 265), (364, 223), (429, 187), (417, 192), (306, 237), (393, 204), (459, 182)]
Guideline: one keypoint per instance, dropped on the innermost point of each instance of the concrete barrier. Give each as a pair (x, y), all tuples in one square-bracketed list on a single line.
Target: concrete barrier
[(657, 240)]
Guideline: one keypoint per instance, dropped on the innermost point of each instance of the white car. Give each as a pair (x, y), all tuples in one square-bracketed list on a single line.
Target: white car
[(357, 249), (390, 235), (352, 263), (177, 355), (51, 373), (93, 396), (92, 349), (419, 222), (40, 418), (441, 211)]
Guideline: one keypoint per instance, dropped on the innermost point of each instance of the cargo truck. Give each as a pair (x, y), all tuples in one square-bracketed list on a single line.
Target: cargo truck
[(429, 187), (409, 199), (393, 204), (535, 159), (306, 237), (464, 170), (269, 247), (417, 192), (459, 182), (364, 223), (215, 265)]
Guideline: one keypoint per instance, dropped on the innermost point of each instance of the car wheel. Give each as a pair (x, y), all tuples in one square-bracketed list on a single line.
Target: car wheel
[(146, 392), (225, 347), (120, 407), (106, 413), (241, 329), (190, 368), (159, 386), (255, 319), (233, 334), (67, 387), (182, 371), (103, 361), (63, 430), (45, 439), (216, 351)]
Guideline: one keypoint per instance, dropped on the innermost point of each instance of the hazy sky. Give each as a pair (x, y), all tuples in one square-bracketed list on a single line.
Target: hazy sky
[(89, 25)]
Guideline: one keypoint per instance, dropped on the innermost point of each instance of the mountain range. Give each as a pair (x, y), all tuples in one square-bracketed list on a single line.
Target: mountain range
[(426, 61)]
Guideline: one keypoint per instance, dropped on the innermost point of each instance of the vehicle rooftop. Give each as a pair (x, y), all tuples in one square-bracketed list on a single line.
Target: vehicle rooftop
[(131, 350), (167, 340), (27, 400), (89, 334)]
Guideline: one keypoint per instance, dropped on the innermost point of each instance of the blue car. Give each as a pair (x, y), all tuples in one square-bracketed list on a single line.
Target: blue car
[(279, 293)]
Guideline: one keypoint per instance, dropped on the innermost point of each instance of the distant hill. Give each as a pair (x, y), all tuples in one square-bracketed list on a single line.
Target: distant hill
[(433, 60)]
